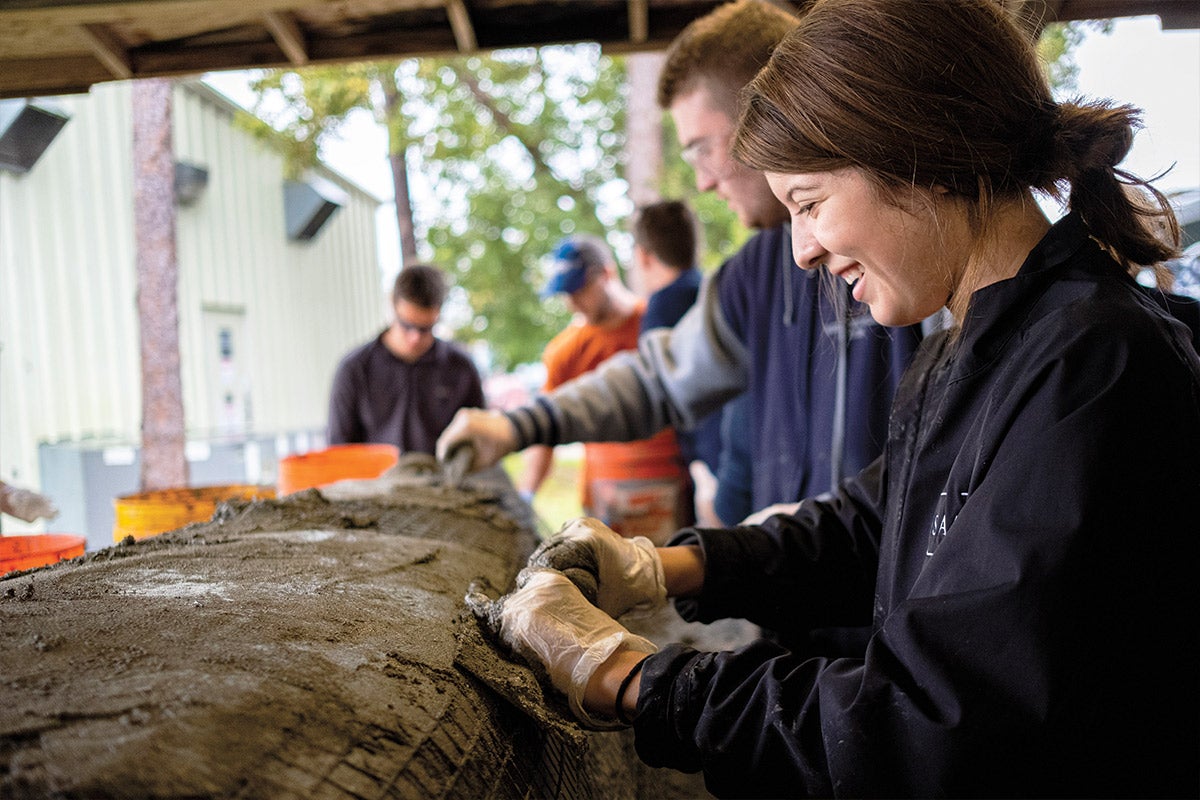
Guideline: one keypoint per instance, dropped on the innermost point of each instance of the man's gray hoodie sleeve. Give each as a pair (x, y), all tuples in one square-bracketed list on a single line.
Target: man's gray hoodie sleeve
[(676, 377)]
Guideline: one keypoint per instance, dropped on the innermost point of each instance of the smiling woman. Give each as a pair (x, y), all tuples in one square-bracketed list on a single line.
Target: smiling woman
[(959, 178), (903, 261)]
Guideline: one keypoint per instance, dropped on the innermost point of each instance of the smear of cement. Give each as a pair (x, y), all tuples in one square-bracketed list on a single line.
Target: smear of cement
[(315, 645)]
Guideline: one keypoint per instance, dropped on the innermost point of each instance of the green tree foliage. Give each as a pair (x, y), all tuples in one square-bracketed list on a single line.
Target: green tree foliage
[(297, 112), (1056, 48), (519, 149)]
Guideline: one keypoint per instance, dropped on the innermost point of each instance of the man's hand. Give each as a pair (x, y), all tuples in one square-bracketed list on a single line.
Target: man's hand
[(489, 432), (548, 622), (26, 505), (616, 573)]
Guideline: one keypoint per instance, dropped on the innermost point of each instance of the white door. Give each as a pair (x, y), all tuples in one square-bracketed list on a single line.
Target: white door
[(228, 378)]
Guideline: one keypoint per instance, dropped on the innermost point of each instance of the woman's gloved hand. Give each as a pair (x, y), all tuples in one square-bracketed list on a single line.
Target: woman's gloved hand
[(548, 622), (490, 432), (615, 573)]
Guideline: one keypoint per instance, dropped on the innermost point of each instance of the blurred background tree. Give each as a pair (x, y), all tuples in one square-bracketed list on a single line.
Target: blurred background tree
[(1056, 48), (518, 148)]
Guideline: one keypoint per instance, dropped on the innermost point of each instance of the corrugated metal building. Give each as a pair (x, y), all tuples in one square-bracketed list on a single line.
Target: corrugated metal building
[(264, 318)]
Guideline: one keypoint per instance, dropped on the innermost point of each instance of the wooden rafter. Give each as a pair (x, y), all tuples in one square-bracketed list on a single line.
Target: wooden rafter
[(55, 46), (288, 34), (639, 21), (109, 49), (461, 25)]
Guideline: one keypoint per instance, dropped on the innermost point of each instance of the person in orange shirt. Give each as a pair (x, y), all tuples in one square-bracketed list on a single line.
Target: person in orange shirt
[(636, 488)]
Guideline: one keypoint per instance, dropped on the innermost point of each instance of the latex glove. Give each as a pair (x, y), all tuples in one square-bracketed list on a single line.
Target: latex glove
[(490, 432), (548, 622), (26, 505), (615, 573), (759, 517)]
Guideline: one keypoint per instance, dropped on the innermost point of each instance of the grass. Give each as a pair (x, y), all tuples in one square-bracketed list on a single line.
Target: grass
[(558, 498)]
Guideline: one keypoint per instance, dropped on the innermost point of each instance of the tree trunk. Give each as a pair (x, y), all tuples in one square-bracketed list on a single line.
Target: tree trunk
[(644, 136), (163, 461), (397, 152), (644, 140)]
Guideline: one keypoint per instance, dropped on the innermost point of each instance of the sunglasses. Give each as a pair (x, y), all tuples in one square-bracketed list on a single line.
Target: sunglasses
[(410, 327)]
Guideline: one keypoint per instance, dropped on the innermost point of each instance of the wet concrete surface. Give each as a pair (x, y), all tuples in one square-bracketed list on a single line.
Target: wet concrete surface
[(311, 646)]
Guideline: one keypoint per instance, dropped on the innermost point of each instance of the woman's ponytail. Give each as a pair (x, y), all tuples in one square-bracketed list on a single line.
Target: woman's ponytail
[(1123, 212)]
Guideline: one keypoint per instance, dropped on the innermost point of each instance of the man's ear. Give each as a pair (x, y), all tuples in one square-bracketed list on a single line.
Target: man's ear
[(641, 257)]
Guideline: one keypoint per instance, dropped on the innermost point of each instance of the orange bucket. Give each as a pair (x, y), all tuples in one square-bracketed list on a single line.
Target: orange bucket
[(336, 463), (37, 550), (149, 513)]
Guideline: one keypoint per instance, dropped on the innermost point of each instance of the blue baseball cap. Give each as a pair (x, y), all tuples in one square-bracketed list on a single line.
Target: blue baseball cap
[(574, 260)]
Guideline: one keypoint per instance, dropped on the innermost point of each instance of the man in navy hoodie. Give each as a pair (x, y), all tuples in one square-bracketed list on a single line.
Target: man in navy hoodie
[(820, 373)]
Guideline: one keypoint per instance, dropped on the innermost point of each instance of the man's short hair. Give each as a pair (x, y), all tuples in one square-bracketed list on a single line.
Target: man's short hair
[(669, 231), (723, 50), (420, 284)]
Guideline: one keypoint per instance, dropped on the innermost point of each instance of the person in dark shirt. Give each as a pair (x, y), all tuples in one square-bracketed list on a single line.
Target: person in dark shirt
[(404, 386), (666, 236), (1025, 549)]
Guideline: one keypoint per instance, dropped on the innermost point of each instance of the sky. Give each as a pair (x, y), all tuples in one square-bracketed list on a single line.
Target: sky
[(1158, 71), (1137, 63)]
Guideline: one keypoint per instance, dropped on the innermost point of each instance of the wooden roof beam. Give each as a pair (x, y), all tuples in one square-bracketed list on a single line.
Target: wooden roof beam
[(109, 49), (639, 21), (461, 25), (288, 34)]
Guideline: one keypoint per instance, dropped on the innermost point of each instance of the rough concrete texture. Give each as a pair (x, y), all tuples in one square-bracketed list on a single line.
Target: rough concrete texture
[(313, 646)]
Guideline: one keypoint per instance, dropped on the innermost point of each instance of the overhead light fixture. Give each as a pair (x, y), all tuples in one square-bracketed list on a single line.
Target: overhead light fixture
[(308, 204), (190, 180), (27, 126)]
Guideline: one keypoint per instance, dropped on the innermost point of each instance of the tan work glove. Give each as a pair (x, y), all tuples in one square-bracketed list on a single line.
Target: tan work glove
[(491, 434), (26, 505), (615, 573), (549, 623)]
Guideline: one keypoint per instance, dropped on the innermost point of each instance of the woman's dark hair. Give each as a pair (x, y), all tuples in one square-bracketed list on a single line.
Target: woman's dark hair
[(947, 94)]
